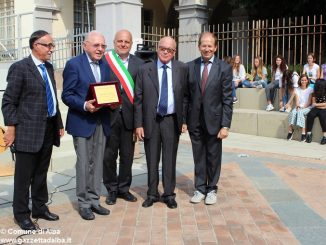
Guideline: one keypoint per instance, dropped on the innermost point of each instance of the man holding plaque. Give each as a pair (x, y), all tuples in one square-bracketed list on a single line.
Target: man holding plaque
[(160, 103), (121, 141), (87, 121)]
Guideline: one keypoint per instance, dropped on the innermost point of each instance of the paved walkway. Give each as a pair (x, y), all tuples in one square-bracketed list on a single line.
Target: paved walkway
[(270, 192)]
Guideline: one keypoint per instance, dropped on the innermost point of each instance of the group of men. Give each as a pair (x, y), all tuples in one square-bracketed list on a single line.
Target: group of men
[(160, 100)]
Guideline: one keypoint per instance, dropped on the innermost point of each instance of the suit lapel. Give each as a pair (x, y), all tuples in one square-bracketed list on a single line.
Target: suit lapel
[(197, 71), (35, 71), (215, 69), (87, 68), (153, 75), (175, 75)]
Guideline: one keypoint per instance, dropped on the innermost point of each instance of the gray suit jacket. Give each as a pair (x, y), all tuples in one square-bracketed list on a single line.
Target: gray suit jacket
[(217, 102), (24, 105), (147, 95)]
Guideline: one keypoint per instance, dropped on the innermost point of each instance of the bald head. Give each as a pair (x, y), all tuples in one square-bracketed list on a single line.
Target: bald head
[(122, 43), (94, 45), (166, 49)]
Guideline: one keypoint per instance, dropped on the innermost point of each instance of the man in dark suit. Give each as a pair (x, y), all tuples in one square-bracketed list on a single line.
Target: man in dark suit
[(89, 125), (209, 116), (160, 97), (30, 110), (124, 66)]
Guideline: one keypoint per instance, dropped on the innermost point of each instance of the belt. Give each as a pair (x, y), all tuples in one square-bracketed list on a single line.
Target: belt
[(168, 115)]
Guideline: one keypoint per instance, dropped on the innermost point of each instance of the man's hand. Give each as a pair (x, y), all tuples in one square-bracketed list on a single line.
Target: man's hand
[(9, 135), (223, 133), (90, 107), (140, 133), (61, 132), (184, 128)]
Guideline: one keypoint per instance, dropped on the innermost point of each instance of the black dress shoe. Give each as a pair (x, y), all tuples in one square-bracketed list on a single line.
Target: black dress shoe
[(127, 196), (148, 202), (25, 224), (47, 215), (309, 138), (86, 213), (111, 199), (171, 203), (100, 210), (323, 140)]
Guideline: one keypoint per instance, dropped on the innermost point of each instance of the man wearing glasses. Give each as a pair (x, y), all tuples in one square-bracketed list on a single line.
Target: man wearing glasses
[(89, 125), (160, 100), (30, 110)]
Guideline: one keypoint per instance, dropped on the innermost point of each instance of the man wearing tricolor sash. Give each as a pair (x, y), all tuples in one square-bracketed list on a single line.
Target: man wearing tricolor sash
[(125, 67)]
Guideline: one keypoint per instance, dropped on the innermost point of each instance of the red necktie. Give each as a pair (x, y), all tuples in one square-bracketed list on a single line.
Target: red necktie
[(204, 77)]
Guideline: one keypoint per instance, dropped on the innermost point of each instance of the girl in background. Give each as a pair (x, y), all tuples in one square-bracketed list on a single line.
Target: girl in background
[(259, 75), (239, 75), (311, 69), (302, 98), (318, 110), (278, 68)]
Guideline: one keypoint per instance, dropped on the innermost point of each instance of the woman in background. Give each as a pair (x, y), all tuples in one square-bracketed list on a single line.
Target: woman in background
[(278, 68), (297, 116), (258, 75), (311, 69), (239, 75), (318, 110)]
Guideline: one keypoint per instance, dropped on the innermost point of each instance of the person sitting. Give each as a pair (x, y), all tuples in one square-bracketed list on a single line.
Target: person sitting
[(239, 75), (258, 76), (303, 104), (289, 83), (311, 69), (318, 110), (323, 71), (278, 68)]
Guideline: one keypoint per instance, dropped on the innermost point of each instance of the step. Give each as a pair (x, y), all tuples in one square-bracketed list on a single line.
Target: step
[(268, 124), (253, 98)]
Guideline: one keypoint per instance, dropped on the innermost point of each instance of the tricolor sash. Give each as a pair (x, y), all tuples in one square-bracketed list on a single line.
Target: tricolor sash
[(122, 73)]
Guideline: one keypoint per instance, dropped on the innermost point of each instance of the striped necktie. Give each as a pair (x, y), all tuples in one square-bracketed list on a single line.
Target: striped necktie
[(49, 97)]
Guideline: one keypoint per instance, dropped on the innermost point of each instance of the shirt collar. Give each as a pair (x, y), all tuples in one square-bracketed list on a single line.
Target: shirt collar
[(124, 61), (36, 61), (90, 61), (160, 64), (211, 60)]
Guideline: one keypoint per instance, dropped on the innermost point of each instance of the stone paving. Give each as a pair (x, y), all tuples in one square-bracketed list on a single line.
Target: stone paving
[(263, 198)]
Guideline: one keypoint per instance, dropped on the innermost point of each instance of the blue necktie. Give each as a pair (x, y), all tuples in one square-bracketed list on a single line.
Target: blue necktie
[(49, 96), (163, 104)]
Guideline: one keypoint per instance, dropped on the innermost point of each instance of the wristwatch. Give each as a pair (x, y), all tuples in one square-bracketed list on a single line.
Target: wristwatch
[(226, 128)]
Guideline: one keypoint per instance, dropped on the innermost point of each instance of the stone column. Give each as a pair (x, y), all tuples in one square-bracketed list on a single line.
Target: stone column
[(193, 15), (113, 15)]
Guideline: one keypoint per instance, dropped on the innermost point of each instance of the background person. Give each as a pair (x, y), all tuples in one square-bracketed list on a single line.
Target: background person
[(160, 102), (278, 68), (239, 75), (297, 116), (30, 110), (258, 74), (88, 125), (311, 69), (124, 68), (318, 110), (209, 116)]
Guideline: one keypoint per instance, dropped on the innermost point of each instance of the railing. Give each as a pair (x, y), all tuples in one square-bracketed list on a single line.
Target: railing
[(292, 37)]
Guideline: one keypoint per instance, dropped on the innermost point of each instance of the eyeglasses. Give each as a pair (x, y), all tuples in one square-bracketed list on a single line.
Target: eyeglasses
[(169, 50), (47, 45)]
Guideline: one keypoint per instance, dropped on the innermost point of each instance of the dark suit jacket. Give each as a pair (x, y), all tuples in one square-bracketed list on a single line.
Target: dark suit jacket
[(127, 108), (24, 105), (77, 76), (217, 101), (147, 95)]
